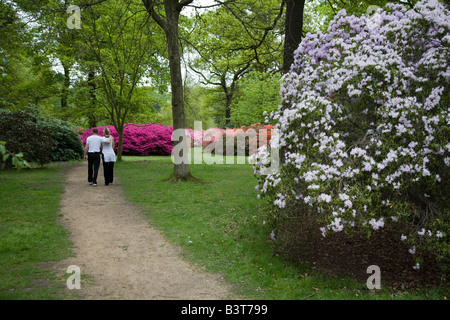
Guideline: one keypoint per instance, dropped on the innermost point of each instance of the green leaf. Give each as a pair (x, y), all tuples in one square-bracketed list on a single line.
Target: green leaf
[(26, 164), (5, 157), (16, 162)]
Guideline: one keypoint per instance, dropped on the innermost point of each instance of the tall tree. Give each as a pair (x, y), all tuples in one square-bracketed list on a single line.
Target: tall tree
[(26, 76), (119, 38), (167, 15), (292, 30), (52, 41), (251, 41)]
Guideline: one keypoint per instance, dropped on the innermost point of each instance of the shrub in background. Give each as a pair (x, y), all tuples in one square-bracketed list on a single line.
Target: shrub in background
[(140, 139), (156, 139), (245, 142), (195, 136), (67, 140), (22, 133), (147, 139), (85, 133)]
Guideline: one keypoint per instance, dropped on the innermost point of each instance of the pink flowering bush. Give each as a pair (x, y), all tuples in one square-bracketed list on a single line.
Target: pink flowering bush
[(140, 139), (245, 142), (195, 136), (365, 136)]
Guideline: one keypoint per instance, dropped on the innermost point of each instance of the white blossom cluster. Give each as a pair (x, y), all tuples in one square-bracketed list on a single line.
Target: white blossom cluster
[(365, 119)]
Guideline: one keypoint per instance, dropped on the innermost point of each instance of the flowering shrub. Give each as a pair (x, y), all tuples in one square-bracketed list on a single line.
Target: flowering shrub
[(140, 139), (243, 140), (365, 134), (213, 134), (196, 137), (156, 139)]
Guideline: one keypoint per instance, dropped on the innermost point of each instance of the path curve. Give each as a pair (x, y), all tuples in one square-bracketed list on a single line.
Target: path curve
[(119, 254)]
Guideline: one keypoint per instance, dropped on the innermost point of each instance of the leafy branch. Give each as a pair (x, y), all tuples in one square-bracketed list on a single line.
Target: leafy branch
[(17, 159)]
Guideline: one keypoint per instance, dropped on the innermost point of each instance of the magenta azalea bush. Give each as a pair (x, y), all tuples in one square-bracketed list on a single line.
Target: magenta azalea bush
[(195, 136), (246, 140), (140, 139), (366, 132)]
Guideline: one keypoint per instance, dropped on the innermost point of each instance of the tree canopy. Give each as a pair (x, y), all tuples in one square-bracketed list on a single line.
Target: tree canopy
[(170, 62)]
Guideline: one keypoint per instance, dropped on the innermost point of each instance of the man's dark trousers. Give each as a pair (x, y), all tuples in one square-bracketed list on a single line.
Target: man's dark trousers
[(93, 165)]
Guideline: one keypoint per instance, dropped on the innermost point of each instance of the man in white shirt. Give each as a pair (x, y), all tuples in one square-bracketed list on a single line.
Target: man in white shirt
[(92, 155)]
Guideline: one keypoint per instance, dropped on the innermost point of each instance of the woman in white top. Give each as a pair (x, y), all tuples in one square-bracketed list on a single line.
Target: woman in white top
[(109, 157)]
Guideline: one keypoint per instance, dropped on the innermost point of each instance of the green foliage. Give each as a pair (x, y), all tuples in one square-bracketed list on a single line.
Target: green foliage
[(36, 138), (84, 110), (27, 83), (67, 141), (245, 40), (25, 71), (149, 106), (199, 106), (250, 42), (258, 93), (22, 134), (16, 159), (213, 106)]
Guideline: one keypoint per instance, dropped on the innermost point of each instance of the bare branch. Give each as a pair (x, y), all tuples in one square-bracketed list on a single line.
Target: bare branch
[(184, 3), (331, 6), (207, 81), (150, 6)]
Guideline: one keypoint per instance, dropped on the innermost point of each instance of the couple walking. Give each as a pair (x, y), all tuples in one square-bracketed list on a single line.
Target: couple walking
[(94, 144)]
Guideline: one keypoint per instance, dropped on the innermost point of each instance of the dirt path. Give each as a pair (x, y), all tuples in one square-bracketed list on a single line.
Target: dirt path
[(120, 256)]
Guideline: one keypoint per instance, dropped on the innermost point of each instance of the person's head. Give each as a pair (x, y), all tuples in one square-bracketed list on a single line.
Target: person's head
[(106, 131), (95, 131)]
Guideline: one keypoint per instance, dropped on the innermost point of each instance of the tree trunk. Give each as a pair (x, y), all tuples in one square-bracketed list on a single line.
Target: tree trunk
[(65, 88), (169, 24), (91, 110), (229, 98), (181, 171), (119, 144), (119, 130), (292, 37), (292, 31)]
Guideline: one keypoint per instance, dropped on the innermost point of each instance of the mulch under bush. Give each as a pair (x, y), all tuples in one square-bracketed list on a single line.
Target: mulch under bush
[(339, 254)]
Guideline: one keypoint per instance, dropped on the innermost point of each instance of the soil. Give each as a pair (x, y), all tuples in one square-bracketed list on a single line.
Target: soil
[(339, 254), (119, 254)]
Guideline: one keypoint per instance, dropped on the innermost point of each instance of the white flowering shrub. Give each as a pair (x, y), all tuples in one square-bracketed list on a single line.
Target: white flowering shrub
[(364, 126)]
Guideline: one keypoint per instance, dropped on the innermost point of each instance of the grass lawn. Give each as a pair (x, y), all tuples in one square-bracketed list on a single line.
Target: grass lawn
[(30, 237), (219, 222)]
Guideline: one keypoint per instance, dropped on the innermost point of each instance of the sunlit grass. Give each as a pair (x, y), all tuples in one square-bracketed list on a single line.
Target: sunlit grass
[(30, 236), (220, 224), (217, 220)]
